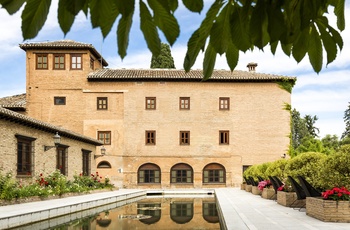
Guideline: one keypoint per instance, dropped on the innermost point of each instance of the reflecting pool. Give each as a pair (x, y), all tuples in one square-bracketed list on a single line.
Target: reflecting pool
[(149, 213)]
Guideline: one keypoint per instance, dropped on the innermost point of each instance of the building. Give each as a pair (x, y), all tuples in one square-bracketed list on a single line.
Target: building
[(160, 128), (29, 149)]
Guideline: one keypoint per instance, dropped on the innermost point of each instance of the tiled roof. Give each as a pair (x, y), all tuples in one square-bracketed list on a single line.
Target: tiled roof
[(14, 117), (63, 44), (181, 75), (16, 102)]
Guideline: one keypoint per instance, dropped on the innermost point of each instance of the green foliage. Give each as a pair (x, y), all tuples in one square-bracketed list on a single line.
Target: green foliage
[(164, 60), (310, 144), (330, 143), (286, 84), (300, 27), (257, 170), (276, 168), (307, 165), (335, 170)]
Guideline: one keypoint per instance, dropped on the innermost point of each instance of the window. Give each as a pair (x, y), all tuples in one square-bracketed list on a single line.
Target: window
[(153, 210), (92, 61), (150, 137), (149, 173), (181, 173), (59, 61), (150, 103), (59, 100), (41, 61), (76, 61), (224, 103), (62, 160), (210, 213), (184, 103), (104, 165), (104, 136), (224, 137), (102, 103), (25, 155), (184, 137), (86, 155), (181, 212), (214, 173)]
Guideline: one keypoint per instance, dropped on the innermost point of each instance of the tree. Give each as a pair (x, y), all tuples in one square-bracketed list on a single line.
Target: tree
[(310, 122), (330, 143), (300, 27), (164, 60), (299, 129), (346, 133)]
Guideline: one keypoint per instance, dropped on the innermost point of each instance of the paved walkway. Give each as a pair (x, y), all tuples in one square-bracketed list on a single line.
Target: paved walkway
[(240, 209), (243, 210)]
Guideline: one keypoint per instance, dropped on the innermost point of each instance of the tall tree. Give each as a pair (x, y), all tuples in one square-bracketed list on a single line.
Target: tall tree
[(164, 60), (300, 27), (310, 125), (346, 133), (331, 143), (299, 129)]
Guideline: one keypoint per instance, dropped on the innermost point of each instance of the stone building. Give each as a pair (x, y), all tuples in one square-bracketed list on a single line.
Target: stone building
[(160, 128), (27, 148)]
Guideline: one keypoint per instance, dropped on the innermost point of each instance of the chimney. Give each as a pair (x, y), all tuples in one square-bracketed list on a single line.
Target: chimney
[(251, 66)]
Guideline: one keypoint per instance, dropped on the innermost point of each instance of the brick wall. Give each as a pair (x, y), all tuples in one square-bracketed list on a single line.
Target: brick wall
[(328, 210)]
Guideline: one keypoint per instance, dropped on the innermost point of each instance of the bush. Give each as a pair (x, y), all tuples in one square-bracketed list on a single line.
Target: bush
[(276, 168), (307, 165), (335, 170)]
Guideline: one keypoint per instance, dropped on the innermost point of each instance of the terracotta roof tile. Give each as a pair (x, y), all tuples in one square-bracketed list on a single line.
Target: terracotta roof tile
[(16, 101), (63, 44), (40, 125), (180, 75)]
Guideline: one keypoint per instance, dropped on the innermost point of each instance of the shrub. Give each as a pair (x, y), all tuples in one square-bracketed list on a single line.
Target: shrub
[(276, 168), (307, 165), (335, 170)]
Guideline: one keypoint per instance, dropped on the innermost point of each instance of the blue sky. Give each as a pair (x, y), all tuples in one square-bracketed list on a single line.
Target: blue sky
[(326, 95)]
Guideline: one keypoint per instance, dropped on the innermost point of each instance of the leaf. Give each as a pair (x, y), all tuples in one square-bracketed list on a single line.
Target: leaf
[(239, 29), (287, 48), (209, 62), (12, 6), (258, 25), (220, 35), (149, 30), (123, 30), (103, 15), (327, 41), (194, 5), (76, 6), (65, 17), (301, 45), (315, 50), (339, 12), (273, 47), (173, 4), (336, 36), (198, 38), (276, 26), (232, 56), (165, 21), (34, 16)]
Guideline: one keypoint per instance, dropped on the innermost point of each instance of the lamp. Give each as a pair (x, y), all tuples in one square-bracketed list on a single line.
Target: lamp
[(56, 141), (283, 155), (103, 152)]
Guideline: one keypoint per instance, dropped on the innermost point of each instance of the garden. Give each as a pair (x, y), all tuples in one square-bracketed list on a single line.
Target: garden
[(315, 181), (52, 185)]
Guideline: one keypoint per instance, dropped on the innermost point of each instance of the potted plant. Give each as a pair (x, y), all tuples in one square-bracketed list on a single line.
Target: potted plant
[(333, 206)]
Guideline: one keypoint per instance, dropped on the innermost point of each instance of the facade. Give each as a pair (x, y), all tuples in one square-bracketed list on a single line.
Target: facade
[(28, 149), (160, 128)]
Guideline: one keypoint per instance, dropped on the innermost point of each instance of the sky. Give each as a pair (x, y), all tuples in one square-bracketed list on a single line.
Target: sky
[(326, 95)]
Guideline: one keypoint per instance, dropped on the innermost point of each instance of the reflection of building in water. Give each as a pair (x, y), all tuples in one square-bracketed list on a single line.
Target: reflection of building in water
[(181, 212), (150, 209), (210, 213)]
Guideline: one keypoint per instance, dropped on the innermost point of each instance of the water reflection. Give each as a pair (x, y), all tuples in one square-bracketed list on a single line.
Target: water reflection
[(149, 213)]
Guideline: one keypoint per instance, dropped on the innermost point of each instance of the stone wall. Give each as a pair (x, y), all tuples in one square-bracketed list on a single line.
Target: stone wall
[(328, 210)]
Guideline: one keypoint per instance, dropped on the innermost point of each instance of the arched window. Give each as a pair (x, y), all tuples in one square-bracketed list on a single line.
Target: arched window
[(104, 165), (181, 173), (154, 210), (210, 213), (214, 173), (148, 173), (181, 213)]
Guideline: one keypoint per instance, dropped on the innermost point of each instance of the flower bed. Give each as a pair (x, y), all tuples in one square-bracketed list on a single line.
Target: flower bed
[(328, 210), (289, 199)]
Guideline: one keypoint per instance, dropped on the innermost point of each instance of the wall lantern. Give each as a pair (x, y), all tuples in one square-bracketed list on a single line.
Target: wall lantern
[(283, 155), (56, 141), (103, 152)]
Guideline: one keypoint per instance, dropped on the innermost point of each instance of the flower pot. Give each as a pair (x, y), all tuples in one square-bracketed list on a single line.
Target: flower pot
[(328, 210), (268, 193), (248, 188), (289, 199), (243, 186), (256, 191)]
